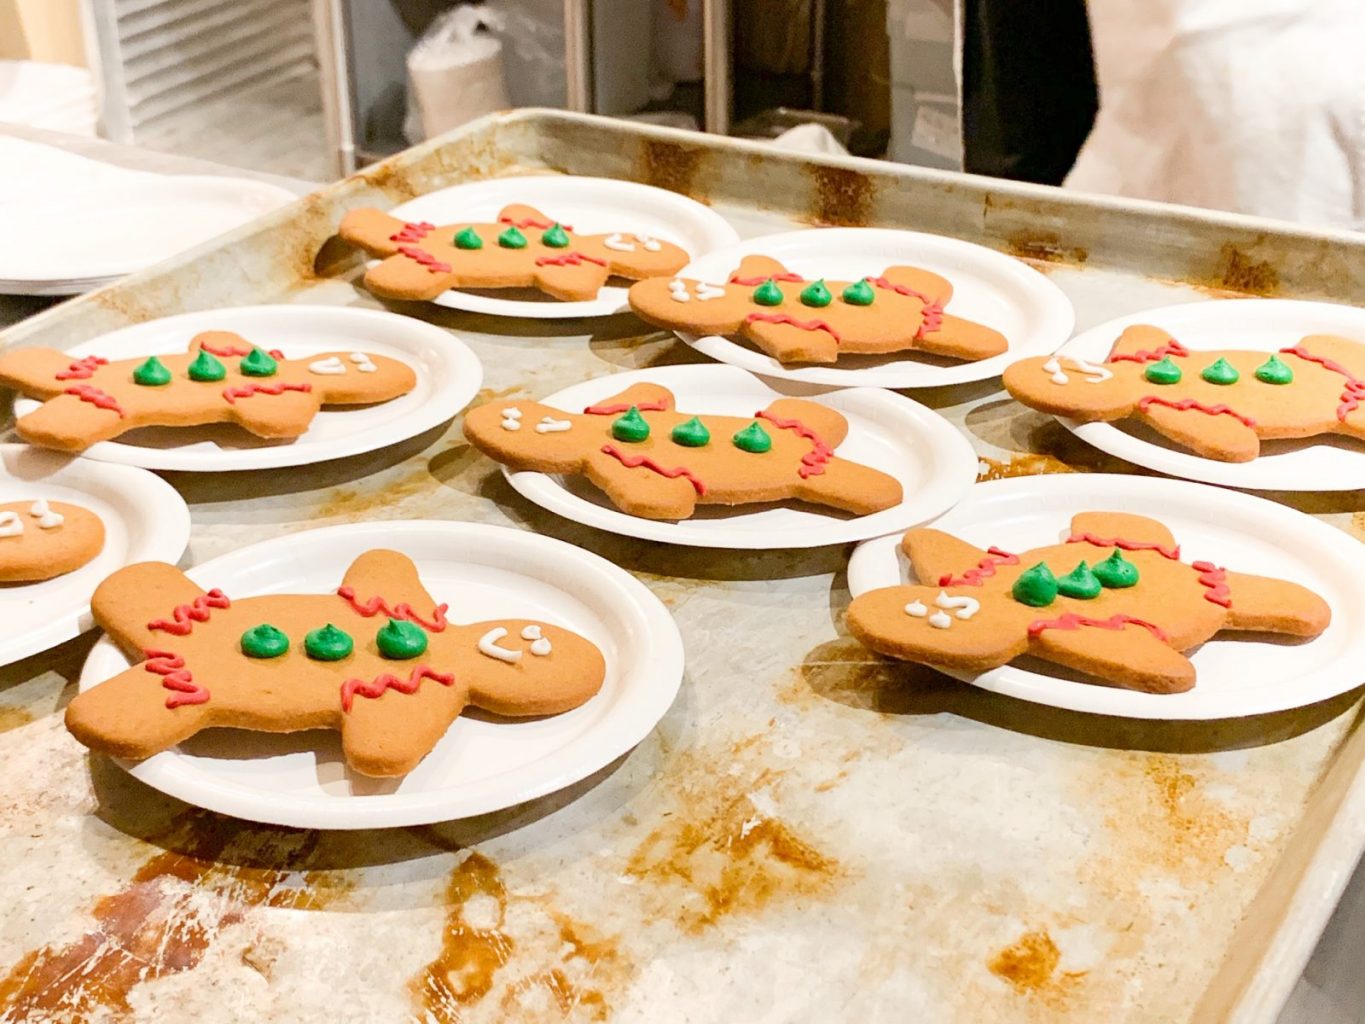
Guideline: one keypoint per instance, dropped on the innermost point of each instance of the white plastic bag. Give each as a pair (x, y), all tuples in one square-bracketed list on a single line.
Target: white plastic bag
[(455, 71), (533, 51)]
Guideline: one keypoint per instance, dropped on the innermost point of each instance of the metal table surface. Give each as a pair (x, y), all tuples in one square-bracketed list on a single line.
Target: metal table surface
[(809, 834)]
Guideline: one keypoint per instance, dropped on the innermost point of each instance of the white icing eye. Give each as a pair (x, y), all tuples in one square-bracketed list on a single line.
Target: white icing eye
[(678, 290), (619, 244), (541, 647), (940, 620), (917, 609), (10, 524), (531, 632)]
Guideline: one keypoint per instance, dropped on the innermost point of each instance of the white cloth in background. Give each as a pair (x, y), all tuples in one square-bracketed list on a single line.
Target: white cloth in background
[(1256, 106)]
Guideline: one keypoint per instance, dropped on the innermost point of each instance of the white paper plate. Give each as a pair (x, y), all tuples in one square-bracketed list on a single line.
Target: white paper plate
[(480, 765), (1251, 675), (119, 223), (144, 519), (1324, 463), (933, 461), (989, 287), (448, 377), (592, 206)]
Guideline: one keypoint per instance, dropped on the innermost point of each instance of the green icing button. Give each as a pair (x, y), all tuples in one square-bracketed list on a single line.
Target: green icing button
[(1080, 583), (401, 640), (468, 238), (692, 434), (1274, 371), (258, 363), (816, 294), (556, 237), (152, 373), (264, 641), (1164, 372), (630, 427), (1116, 572), (1036, 587), (754, 439), (768, 294), (859, 293), (512, 239), (1220, 372), (327, 644), (206, 368)]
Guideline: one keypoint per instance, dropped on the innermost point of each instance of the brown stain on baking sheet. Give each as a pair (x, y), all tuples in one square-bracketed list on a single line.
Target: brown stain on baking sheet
[(840, 195), (1019, 465), (671, 165), (159, 924), (553, 969), (1030, 965), (13, 718), (1239, 272), (1044, 247)]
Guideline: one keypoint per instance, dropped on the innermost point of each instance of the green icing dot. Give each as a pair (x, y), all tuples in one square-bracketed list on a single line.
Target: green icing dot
[(206, 368), (1036, 587), (468, 238), (1164, 372), (816, 294), (753, 438), (556, 237), (768, 294), (152, 373), (1080, 583), (1274, 371), (1116, 572), (257, 363), (327, 644), (1220, 372), (401, 640), (859, 293), (692, 434), (512, 239), (630, 427), (264, 641)]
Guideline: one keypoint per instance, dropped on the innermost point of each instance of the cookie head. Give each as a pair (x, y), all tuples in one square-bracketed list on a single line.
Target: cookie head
[(527, 434), (1062, 385), (529, 668)]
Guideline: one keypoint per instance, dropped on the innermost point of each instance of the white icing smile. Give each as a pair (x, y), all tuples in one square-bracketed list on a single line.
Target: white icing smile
[(618, 243), (10, 524), (488, 644), (705, 292), (550, 425), (1094, 374), (966, 606), (329, 367)]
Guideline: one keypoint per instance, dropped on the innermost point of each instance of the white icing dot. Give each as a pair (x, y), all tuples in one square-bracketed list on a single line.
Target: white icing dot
[(650, 244), (531, 632), (488, 644), (917, 609), (541, 647), (940, 620), (330, 366), (512, 412), (1054, 367), (10, 524), (678, 290), (363, 362)]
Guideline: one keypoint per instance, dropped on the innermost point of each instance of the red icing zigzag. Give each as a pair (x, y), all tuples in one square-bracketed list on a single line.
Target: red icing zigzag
[(1190, 403), (813, 462), (636, 461), (186, 615), (1355, 387), (375, 605), (805, 325), (82, 369), (175, 677), (1142, 355), (1071, 620), (247, 390), (99, 399), (376, 687), (984, 569)]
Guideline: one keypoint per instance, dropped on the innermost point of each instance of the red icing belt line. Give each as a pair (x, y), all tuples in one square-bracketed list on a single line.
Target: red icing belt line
[(235, 350), (805, 325), (984, 568), (184, 617), (612, 410), (99, 399), (749, 282), (425, 258), (413, 232), (82, 369), (175, 677), (570, 259), (1116, 622), (932, 313), (247, 390), (1355, 387), (635, 461), (1142, 355), (1210, 575), (531, 222), (813, 462), (375, 605), (1189, 403), (375, 688)]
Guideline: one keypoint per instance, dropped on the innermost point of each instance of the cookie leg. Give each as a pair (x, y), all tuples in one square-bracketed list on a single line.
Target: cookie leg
[(1274, 606), (403, 277), (963, 339), (127, 716), (285, 415), (792, 340), (1215, 436), (389, 734), (908, 622), (572, 282), (72, 424), (1131, 656), (638, 485), (851, 487)]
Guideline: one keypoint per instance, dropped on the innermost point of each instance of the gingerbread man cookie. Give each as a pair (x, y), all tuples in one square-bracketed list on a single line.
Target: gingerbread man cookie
[(524, 249), (222, 379), (377, 660), (799, 321), (43, 539), (655, 462), (1114, 600), (1220, 404)]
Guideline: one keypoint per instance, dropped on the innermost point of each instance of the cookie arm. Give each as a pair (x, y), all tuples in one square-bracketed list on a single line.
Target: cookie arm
[(127, 716), (34, 371), (390, 576), (371, 230), (127, 603), (72, 424), (936, 555), (403, 277), (1274, 606)]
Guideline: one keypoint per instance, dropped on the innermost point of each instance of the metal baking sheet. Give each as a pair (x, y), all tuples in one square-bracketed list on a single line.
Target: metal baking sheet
[(810, 834)]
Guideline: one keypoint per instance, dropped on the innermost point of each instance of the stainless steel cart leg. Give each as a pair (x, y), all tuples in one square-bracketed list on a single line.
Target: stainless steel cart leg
[(578, 55), (329, 29), (716, 62)]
